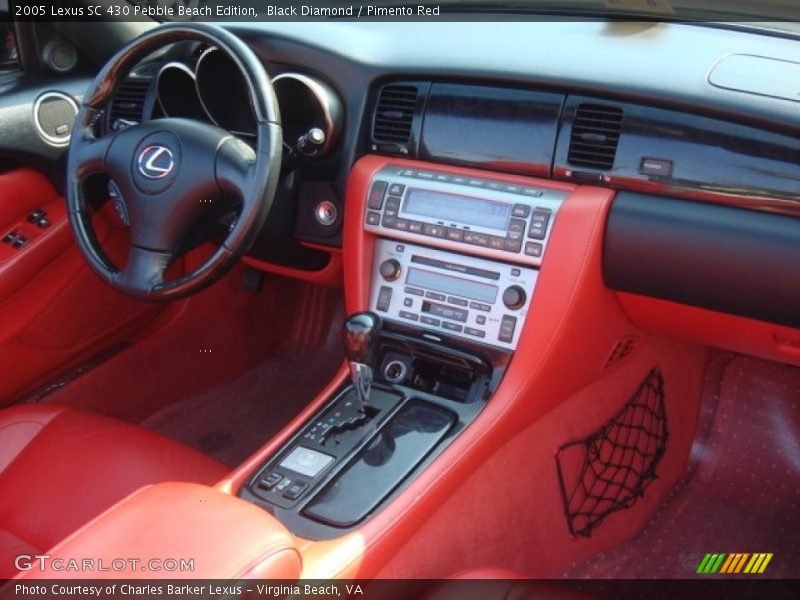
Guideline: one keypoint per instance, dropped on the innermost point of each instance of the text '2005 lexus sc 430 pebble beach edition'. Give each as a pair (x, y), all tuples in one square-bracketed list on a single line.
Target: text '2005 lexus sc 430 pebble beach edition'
[(456, 300)]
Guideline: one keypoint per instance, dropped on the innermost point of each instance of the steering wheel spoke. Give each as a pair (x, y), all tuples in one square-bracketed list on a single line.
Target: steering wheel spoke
[(144, 272)]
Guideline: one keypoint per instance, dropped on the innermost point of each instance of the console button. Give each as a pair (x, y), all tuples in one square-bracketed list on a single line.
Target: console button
[(442, 177), (384, 298), (270, 481), (497, 243), (409, 315), (475, 332), (539, 221), (430, 321), (415, 227), (396, 189), (295, 490), (433, 230), (514, 297), (480, 319), (424, 175), (507, 326), (408, 173), (375, 199), (448, 312), (285, 483), (521, 210), (476, 182), (392, 203), (389, 221), (435, 296), (533, 249), (513, 245), (457, 301), (408, 302), (414, 291), (401, 224), (459, 180), (456, 235), (532, 192), (494, 185), (476, 239), (373, 218), (517, 225), (480, 306), (512, 188), (452, 326)]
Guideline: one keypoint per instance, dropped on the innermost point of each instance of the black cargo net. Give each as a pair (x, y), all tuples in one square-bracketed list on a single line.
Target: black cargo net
[(609, 470)]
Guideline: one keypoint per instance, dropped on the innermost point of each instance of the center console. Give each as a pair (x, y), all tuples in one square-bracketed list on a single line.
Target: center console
[(453, 265)]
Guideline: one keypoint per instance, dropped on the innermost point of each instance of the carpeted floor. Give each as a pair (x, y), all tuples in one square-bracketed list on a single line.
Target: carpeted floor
[(742, 494)]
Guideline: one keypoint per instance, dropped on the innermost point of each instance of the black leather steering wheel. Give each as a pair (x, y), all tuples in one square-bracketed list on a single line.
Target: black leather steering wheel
[(168, 169)]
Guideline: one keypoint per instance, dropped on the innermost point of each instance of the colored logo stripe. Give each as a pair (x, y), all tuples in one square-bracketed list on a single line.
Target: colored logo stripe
[(734, 563)]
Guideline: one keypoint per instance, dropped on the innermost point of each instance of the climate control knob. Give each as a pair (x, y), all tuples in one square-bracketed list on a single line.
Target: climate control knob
[(390, 269), (514, 297)]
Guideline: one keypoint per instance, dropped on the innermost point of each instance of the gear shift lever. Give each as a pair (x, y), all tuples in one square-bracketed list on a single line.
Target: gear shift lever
[(361, 345)]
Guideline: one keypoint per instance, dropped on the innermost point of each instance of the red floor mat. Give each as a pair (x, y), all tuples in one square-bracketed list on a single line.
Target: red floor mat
[(743, 491)]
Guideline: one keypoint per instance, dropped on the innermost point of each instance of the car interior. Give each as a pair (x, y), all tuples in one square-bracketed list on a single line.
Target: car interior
[(334, 300)]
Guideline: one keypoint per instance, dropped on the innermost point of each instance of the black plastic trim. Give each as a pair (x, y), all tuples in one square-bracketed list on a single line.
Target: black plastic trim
[(721, 258)]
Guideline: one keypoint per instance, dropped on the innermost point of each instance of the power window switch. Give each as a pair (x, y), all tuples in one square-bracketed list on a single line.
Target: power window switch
[(43, 223), (295, 490), (19, 242), (36, 215), (10, 237)]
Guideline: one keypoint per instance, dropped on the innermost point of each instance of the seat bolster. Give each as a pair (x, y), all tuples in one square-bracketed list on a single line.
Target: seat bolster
[(19, 425)]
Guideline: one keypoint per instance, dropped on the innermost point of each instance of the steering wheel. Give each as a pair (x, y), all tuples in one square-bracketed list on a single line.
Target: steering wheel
[(167, 170)]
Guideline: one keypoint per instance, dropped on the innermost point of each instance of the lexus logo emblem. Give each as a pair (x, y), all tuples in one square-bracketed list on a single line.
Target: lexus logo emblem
[(156, 161)]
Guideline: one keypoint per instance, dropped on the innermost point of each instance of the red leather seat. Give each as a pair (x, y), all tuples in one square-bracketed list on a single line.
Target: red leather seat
[(500, 584), (59, 468)]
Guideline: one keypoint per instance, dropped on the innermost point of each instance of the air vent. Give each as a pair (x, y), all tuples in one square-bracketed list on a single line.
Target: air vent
[(127, 108), (394, 115), (595, 135)]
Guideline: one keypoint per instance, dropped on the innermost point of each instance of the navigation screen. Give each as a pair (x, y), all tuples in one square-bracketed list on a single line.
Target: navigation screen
[(457, 209)]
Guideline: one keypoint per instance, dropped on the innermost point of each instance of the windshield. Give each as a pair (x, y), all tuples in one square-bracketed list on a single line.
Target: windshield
[(777, 15)]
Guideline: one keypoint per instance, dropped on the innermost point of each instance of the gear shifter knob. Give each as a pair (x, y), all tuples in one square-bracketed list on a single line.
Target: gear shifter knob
[(361, 332)]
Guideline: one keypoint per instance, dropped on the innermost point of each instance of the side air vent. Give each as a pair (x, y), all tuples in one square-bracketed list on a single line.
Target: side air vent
[(595, 135), (127, 108), (395, 126)]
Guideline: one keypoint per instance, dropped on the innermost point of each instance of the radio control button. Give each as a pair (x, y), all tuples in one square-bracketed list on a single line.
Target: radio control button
[(373, 218), (389, 221), (402, 224), (532, 192), (424, 175), (513, 245), (476, 182), (497, 243), (442, 177), (459, 180), (433, 230), (435, 296), (476, 239), (521, 210), (475, 332), (533, 249), (415, 227), (517, 226), (430, 321), (392, 203), (396, 189), (384, 298), (456, 235), (480, 306), (447, 312), (414, 291), (457, 301), (408, 302), (512, 188), (375, 199), (514, 297), (537, 231), (408, 173), (390, 270), (480, 319), (539, 221), (409, 315), (507, 326), (494, 185), (452, 326), (515, 235)]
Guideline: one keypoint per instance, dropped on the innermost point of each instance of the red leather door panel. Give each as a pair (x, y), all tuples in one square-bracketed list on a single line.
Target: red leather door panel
[(54, 313)]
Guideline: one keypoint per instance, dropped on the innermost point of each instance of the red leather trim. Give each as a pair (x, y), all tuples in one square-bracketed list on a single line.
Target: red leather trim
[(573, 323), (329, 276), (78, 465), (730, 332), (227, 538)]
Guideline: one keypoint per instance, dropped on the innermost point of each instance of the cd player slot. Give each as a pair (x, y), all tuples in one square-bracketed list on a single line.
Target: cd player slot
[(448, 266)]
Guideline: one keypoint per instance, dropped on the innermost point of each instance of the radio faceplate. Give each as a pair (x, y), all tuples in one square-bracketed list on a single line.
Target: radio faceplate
[(451, 294), (492, 218)]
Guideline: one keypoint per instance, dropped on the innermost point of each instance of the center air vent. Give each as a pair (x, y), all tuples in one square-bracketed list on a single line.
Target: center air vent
[(393, 126), (595, 135), (127, 108)]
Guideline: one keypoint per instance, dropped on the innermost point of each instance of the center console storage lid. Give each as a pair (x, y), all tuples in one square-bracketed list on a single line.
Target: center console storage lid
[(226, 537)]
